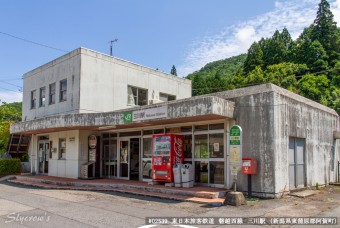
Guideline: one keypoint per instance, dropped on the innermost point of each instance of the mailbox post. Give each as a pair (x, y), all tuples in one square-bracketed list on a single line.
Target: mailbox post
[(249, 166)]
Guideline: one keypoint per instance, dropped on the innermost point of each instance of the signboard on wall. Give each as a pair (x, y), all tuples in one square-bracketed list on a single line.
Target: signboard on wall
[(127, 117), (235, 148), (147, 114)]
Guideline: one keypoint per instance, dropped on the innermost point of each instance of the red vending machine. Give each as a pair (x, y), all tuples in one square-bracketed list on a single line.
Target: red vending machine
[(167, 151)]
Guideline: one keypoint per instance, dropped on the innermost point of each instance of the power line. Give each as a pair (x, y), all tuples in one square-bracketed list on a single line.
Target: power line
[(10, 79), (10, 84), (11, 90), (32, 42)]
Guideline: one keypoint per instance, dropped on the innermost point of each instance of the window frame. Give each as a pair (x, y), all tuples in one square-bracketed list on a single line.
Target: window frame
[(137, 96), (167, 97), (62, 149), (62, 90), (51, 96), (33, 99), (42, 99)]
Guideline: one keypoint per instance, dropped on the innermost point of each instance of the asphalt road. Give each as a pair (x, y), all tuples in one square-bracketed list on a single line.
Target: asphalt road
[(22, 206)]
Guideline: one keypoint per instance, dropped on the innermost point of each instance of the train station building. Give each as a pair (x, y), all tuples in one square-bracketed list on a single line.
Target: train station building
[(90, 108)]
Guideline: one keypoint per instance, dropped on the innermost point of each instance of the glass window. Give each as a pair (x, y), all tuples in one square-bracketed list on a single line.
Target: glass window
[(63, 90), (147, 148), (147, 169), (219, 126), (158, 131), (201, 172), (186, 129), (51, 95), (216, 145), (201, 146), (216, 172), (201, 128), (137, 96), (147, 132), (62, 148), (187, 146), (33, 99), (173, 130), (131, 133), (42, 97), (106, 135), (166, 97)]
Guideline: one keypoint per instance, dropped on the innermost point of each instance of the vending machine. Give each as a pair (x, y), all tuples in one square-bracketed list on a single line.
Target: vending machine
[(167, 151)]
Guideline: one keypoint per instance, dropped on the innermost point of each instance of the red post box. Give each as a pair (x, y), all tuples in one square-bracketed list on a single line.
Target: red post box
[(249, 166)]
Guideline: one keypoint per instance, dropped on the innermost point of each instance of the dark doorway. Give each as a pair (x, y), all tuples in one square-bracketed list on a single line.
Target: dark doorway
[(134, 158), (97, 165)]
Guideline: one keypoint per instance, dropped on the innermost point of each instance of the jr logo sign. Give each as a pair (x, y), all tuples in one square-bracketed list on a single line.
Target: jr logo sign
[(127, 117)]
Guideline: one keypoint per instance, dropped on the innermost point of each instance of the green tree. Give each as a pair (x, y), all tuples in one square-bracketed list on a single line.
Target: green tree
[(284, 74), (173, 70), (199, 84), (326, 32), (254, 58), (302, 45), (9, 113), (317, 57), (315, 87), (256, 76)]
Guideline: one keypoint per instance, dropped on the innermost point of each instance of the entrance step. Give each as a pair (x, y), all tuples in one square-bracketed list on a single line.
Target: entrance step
[(304, 193), (214, 198)]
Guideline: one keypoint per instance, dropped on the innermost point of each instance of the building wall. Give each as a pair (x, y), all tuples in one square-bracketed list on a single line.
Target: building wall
[(300, 120), (65, 167), (270, 115), (104, 82), (255, 114), (65, 67), (95, 83)]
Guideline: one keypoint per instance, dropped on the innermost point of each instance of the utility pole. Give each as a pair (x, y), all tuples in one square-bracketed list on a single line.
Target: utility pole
[(111, 42)]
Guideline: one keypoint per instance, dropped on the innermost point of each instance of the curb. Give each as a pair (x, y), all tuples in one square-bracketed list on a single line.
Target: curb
[(8, 177), (108, 189)]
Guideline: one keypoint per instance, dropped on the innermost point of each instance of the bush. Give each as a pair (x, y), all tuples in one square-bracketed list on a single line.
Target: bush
[(10, 166)]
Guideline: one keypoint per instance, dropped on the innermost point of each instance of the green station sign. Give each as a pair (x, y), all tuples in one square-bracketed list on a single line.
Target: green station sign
[(127, 117), (235, 135)]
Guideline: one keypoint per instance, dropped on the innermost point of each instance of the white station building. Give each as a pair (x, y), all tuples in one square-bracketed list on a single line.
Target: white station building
[(87, 106)]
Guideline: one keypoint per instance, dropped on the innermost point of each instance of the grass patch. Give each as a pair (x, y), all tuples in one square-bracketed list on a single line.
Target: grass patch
[(328, 200), (251, 199)]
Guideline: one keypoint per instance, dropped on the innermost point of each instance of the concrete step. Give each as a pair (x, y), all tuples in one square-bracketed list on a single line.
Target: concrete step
[(213, 202), (153, 189)]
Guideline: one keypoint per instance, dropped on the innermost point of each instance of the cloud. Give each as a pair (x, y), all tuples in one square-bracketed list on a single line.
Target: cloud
[(335, 6), (10, 97), (295, 15)]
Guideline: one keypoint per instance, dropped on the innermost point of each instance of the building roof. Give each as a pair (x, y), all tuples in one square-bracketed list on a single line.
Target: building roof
[(269, 87), (104, 57)]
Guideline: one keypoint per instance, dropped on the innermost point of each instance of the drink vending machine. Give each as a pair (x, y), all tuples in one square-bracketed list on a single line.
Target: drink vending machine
[(168, 150)]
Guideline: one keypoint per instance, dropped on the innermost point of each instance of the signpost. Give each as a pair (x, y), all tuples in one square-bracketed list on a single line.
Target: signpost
[(235, 142)]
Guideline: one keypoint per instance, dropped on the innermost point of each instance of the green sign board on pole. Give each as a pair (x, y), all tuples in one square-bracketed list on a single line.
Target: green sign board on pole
[(127, 117), (235, 135), (235, 149)]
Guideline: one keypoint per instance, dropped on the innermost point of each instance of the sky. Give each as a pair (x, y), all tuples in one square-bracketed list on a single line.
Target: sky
[(153, 33)]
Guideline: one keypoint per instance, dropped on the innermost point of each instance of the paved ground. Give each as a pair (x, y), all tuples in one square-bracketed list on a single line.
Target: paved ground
[(68, 208)]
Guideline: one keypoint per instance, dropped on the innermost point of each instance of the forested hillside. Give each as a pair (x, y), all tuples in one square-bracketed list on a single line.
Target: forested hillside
[(309, 65)]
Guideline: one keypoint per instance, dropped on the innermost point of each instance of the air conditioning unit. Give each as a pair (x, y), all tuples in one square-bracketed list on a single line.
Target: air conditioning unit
[(154, 101)]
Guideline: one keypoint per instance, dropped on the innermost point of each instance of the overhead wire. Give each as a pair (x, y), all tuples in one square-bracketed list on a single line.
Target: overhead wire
[(32, 42)]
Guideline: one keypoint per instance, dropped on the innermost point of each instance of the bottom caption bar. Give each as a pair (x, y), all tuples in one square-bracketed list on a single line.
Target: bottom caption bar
[(241, 221)]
